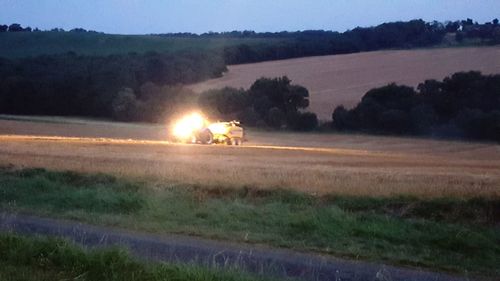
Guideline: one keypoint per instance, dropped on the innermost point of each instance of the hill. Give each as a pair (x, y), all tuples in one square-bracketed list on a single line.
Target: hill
[(238, 47), (31, 44), (344, 79), (235, 46), (92, 74)]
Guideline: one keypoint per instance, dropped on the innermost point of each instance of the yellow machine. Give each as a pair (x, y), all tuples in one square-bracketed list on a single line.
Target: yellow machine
[(194, 128)]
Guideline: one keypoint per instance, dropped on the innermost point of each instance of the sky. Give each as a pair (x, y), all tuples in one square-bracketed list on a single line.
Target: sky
[(199, 16)]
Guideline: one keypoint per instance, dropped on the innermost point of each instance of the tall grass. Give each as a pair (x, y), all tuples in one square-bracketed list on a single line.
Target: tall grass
[(55, 192), (45, 259), (456, 235)]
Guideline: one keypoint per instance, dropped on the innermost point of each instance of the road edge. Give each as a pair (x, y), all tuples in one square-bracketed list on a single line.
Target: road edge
[(186, 249)]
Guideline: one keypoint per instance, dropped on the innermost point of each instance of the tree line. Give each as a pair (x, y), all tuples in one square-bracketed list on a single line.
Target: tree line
[(415, 33), (464, 105), (488, 32), (268, 103), (70, 84), (16, 27), (410, 34)]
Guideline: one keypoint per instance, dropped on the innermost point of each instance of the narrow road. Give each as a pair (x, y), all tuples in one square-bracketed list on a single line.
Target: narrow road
[(185, 249)]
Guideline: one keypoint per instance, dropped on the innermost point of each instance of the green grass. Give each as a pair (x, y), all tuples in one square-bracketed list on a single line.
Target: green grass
[(45, 259), (447, 234), (58, 192), (25, 44)]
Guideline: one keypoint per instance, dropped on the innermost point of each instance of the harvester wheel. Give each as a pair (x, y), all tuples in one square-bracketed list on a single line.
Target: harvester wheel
[(206, 137), (236, 141)]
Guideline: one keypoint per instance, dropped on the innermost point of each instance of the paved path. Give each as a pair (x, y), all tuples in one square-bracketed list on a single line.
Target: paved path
[(176, 248)]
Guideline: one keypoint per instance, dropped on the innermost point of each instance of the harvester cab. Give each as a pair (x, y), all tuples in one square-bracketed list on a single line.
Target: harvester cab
[(227, 132)]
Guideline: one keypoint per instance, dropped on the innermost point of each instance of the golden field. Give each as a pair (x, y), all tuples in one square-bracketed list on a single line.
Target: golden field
[(314, 163), (344, 79)]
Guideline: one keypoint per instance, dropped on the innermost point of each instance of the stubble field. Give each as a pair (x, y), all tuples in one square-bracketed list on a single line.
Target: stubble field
[(344, 79), (313, 163)]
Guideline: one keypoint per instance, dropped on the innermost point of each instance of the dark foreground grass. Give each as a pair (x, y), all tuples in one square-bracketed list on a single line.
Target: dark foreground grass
[(45, 259), (448, 234)]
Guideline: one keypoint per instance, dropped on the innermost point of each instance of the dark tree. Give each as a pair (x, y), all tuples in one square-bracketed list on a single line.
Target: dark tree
[(69, 84), (297, 97), (271, 102), (224, 103), (15, 27), (249, 117), (452, 26), (465, 104), (78, 30), (342, 119), (124, 105), (467, 22), (280, 93), (306, 121), (3, 28), (423, 119), (276, 118), (395, 121)]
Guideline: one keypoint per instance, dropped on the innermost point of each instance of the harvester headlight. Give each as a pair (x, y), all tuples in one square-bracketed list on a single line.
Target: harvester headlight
[(187, 126)]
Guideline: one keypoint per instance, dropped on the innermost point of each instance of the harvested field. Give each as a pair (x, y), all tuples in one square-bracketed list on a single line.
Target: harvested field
[(313, 163), (344, 79)]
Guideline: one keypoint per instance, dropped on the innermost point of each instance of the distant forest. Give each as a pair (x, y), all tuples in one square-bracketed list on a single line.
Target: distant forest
[(72, 85), (145, 85), (282, 45)]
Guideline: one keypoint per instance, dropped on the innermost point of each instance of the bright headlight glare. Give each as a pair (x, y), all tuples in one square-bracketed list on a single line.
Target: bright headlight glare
[(187, 126), (217, 128)]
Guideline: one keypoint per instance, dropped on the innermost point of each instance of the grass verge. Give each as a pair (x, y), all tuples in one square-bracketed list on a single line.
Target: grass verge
[(40, 259), (447, 234)]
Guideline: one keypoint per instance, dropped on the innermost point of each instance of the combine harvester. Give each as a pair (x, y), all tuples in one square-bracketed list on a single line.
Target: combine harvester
[(194, 128)]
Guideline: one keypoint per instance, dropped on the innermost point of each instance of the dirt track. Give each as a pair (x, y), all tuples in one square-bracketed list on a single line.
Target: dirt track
[(314, 163), (344, 79)]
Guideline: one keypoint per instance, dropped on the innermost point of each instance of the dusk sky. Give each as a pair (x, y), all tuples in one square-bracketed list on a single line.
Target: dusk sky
[(198, 16)]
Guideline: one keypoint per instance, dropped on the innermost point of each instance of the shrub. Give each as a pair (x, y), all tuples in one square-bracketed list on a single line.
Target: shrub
[(306, 121), (342, 119), (395, 121), (275, 118), (124, 105)]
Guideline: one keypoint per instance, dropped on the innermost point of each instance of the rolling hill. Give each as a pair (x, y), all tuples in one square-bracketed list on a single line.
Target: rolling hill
[(344, 79), (32, 44)]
